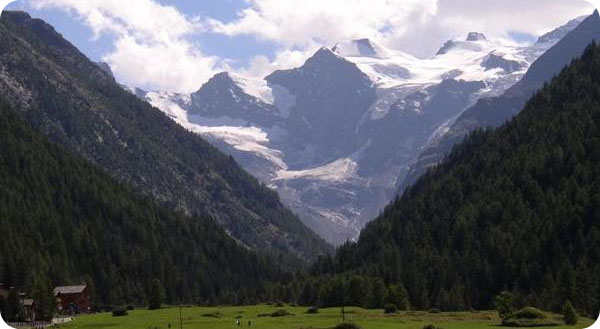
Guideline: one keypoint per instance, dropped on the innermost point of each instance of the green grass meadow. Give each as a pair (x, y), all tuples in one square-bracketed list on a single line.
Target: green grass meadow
[(226, 317)]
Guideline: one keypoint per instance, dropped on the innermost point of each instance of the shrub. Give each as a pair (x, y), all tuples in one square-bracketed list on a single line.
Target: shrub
[(215, 315), (280, 313), (130, 308), (530, 313), (529, 317), (505, 305), (279, 304), (119, 311), (434, 310), (569, 314), (431, 326), (312, 310), (347, 325), (390, 308)]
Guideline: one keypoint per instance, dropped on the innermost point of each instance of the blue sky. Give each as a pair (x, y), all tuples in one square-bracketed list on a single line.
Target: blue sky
[(199, 38), (241, 48)]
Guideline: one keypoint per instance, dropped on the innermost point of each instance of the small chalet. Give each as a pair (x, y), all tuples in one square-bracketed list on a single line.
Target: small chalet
[(72, 299)]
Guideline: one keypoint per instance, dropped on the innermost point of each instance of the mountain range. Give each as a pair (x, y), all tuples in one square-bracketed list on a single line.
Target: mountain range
[(494, 111), (78, 105), (489, 152), (337, 136), (515, 209)]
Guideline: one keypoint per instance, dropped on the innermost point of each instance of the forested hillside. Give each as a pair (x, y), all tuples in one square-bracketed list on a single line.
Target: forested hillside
[(76, 104), (64, 221), (516, 208)]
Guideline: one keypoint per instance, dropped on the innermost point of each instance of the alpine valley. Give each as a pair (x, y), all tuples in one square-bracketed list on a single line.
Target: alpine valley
[(337, 136)]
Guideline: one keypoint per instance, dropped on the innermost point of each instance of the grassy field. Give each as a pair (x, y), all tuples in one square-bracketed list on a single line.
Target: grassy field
[(226, 317)]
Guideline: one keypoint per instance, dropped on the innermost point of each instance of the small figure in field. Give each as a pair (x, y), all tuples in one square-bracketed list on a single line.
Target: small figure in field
[(249, 323), (238, 323)]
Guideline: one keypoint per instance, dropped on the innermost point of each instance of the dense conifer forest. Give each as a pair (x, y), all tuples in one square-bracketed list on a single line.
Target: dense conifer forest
[(63, 221), (515, 208)]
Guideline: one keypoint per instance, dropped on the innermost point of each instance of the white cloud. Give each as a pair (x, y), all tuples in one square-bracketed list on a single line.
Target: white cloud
[(298, 24), (415, 26), (152, 48), (260, 66), (493, 17)]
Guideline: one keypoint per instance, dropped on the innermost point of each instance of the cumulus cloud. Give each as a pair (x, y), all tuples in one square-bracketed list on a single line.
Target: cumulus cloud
[(152, 46), (153, 42), (415, 26), (299, 24), (260, 66)]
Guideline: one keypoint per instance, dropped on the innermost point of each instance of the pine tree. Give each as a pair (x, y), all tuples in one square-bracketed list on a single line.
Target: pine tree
[(43, 298), (157, 295), (569, 314)]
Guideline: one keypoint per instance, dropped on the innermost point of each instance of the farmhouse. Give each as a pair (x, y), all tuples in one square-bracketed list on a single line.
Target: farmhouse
[(72, 299)]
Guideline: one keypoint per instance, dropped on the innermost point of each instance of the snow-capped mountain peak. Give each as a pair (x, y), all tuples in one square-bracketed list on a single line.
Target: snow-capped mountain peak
[(474, 42), (337, 134), (557, 34), (361, 48), (240, 87), (476, 36)]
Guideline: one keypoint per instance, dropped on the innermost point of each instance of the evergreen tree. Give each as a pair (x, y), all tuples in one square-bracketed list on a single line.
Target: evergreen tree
[(357, 292), (43, 298), (569, 314), (398, 296), (505, 305), (15, 308), (157, 295), (378, 293)]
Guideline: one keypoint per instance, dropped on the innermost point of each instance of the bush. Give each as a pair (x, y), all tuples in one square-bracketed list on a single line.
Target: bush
[(215, 315), (513, 322), (347, 325), (530, 313), (431, 326), (130, 308), (505, 305), (280, 313), (279, 304), (435, 310), (390, 308), (529, 317), (119, 311), (569, 314), (312, 310)]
